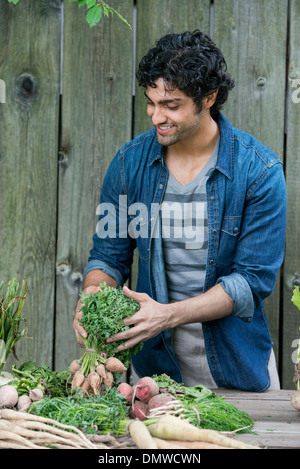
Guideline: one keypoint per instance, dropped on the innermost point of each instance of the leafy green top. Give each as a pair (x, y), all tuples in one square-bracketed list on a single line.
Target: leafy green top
[(102, 316), (296, 297)]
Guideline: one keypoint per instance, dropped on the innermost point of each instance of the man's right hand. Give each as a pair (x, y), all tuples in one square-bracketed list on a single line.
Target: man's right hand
[(80, 333)]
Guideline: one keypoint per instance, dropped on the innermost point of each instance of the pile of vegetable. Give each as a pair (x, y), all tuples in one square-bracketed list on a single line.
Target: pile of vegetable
[(152, 397), (11, 305), (295, 399), (103, 313)]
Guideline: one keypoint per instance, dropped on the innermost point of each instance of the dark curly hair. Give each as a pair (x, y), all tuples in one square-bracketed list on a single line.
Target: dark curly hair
[(190, 62)]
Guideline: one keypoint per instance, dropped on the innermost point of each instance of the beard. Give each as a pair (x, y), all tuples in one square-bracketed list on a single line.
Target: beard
[(180, 132)]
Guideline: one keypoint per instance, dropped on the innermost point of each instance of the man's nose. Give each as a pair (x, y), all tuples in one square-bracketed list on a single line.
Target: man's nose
[(157, 115)]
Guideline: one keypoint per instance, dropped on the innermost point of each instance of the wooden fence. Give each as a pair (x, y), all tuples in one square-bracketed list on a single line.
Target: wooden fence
[(71, 102)]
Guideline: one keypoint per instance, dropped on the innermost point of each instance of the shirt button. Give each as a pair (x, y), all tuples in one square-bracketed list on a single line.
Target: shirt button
[(236, 230), (214, 231), (211, 261), (161, 186)]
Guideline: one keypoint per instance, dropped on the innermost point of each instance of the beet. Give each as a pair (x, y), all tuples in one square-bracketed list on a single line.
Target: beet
[(138, 410), (146, 388)]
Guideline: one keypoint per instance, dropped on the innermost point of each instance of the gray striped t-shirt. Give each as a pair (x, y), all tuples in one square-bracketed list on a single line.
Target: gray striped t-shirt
[(185, 238)]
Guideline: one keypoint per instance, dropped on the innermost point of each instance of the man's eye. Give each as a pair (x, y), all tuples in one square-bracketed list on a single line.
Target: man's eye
[(173, 108)]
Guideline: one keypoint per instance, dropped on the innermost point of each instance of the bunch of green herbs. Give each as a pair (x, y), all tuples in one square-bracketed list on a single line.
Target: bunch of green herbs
[(296, 301), (11, 330), (30, 376), (103, 315), (105, 413), (204, 408)]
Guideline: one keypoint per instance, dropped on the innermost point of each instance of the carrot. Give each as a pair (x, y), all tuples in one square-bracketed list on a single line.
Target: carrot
[(115, 365), (174, 428), (141, 435)]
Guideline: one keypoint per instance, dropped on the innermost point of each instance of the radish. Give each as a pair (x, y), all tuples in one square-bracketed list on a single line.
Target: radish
[(146, 388), (126, 390), (24, 402), (138, 410), (160, 400), (36, 394), (8, 396)]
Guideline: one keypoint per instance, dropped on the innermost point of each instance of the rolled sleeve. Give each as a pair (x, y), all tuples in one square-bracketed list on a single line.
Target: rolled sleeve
[(239, 290), (95, 264)]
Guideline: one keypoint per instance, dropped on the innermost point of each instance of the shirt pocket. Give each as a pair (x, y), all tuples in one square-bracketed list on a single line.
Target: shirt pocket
[(229, 235)]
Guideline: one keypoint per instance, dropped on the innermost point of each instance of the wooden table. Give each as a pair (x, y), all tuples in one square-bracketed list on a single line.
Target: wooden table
[(277, 423)]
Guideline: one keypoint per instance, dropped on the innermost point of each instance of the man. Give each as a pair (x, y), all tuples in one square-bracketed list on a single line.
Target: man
[(211, 205)]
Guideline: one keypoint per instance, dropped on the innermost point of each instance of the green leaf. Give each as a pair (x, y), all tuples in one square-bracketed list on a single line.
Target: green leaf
[(94, 15), (90, 3), (296, 297), (14, 1), (81, 3)]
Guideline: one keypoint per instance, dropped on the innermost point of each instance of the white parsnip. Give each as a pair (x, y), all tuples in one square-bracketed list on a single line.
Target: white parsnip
[(175, 428)]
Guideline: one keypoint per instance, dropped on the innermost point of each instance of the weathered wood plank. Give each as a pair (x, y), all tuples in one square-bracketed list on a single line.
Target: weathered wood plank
[(29, 65), (96, 121), (154, 19), (291, 316), (247, 32)]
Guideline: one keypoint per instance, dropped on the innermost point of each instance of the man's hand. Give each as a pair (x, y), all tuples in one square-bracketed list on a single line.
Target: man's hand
[(80, 333), (151, 319)]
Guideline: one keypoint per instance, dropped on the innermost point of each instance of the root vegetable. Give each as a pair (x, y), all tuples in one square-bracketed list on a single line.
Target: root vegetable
[(36, 394), (138, 410), (24, 402), (95, 382), (174, 428), (77, 380), (115, 365), (181, 444), (86, 386), (100, 369), (109, 379), (295, 399), (75, 366), (141, 435), (160, 400), (8, 396), (146, 388), (126, 390)]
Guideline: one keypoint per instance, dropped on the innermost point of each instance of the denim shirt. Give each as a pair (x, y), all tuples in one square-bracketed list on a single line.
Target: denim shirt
[(246, 206)]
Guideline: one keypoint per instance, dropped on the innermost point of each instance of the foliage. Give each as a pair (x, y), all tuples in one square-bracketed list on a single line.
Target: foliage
[(103, 313), (104, 413), (204, 408), (11, 306), (29, 376), (95, 10)]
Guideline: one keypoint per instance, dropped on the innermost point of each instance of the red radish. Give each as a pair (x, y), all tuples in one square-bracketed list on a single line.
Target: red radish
[(126, 390), (146, 388), (160, 400), (138, 410)]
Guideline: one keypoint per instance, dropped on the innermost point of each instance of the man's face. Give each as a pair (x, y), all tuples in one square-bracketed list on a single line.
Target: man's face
[(173, 113)]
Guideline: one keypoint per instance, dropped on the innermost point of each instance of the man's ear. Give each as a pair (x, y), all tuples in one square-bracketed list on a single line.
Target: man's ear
[(209, 100)]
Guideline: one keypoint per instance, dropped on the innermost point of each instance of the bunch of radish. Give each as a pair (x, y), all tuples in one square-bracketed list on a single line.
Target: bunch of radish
[(9, 398), (101, 375), (143, 397)]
